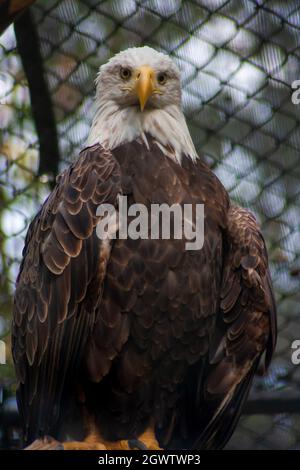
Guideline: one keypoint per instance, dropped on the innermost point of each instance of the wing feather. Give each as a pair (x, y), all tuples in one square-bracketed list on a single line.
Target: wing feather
[(245, 329), (59, 288)]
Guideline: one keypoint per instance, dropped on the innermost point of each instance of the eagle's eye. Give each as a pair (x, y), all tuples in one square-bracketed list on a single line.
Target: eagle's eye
[(125, 73), (162, 78)]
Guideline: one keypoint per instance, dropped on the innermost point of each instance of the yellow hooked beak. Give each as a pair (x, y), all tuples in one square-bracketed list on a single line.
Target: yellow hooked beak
[(144, 86)]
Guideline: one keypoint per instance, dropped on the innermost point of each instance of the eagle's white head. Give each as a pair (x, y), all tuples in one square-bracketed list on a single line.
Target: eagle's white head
[(139, 92)]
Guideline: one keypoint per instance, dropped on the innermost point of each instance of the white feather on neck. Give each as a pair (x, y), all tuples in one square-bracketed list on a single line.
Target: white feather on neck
[(113, 126)]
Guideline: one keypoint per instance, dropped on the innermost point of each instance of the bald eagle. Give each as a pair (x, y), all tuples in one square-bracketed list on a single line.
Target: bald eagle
[(140, 342)]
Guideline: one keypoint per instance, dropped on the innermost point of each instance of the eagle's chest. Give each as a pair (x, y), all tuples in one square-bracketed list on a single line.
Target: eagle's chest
[(156, 285), (164, 293)]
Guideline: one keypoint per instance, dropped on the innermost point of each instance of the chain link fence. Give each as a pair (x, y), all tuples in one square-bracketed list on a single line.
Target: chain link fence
[(238, 60)]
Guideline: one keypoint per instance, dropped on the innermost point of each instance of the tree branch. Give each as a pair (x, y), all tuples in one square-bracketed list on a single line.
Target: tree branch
[(42, 110), (10, 10)]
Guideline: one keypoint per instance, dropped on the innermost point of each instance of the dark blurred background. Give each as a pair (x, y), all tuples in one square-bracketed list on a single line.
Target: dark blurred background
[(238, 60)]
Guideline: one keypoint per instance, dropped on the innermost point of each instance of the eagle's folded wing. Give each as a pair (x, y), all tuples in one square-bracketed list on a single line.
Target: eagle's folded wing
[(59, 287), (245, 328)]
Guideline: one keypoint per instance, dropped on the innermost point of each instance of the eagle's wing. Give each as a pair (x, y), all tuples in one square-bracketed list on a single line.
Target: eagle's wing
[(246, 327), (59, 287)]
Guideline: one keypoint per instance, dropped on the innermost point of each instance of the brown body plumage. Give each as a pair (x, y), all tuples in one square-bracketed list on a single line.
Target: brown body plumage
[(140, 331)]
